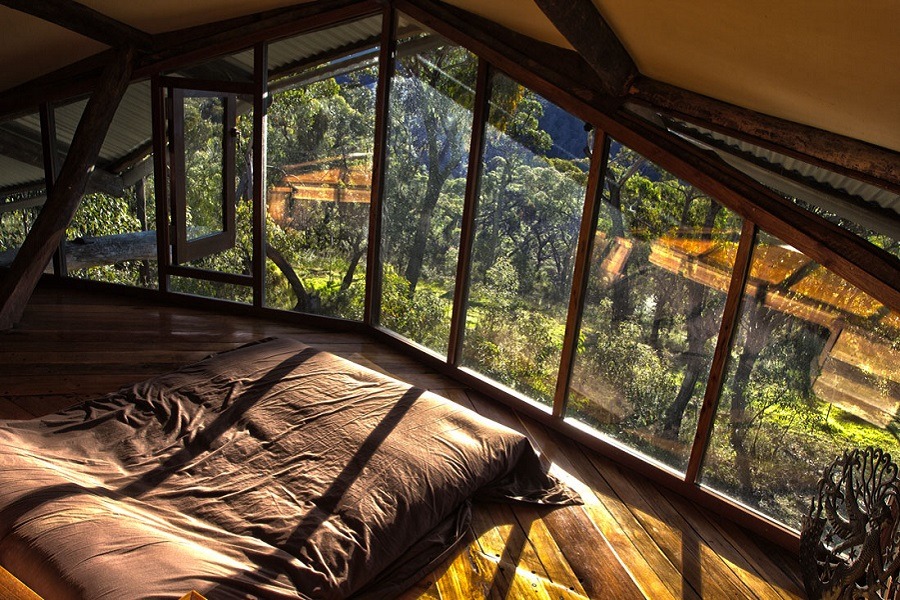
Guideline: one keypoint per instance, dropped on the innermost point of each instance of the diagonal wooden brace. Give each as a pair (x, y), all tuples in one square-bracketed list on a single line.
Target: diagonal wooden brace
[(19, 282)]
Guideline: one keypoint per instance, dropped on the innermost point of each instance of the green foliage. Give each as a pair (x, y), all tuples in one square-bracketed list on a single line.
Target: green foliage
[(203, 160), (515, 346), (422, 316), (14, 226), (100, 215), (641, 380)]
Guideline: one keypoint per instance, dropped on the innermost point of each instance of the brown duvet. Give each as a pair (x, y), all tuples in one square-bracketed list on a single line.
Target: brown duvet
[(270, 471)]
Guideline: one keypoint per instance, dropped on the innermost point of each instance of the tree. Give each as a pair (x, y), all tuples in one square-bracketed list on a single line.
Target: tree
[(431, 119), (322, 129), (702, 318)]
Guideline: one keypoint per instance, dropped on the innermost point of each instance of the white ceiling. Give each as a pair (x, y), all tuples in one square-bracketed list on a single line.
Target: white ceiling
[(831, 64)]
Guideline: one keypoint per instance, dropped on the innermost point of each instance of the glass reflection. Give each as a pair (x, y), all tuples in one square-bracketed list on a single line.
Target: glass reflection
[(532, 190), (660, 268), (814, 369)]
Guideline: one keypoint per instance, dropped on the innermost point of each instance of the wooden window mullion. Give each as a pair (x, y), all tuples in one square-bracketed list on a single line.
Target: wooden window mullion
[(470, 207), (160, 181), (581, 272), (260, 101), (386, 56), (729, 323)]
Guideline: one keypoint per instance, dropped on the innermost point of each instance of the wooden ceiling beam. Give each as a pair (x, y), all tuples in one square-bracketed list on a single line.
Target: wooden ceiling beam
[(85, 21), (585, 28), (43, 239), (851, 157), (514, 53)]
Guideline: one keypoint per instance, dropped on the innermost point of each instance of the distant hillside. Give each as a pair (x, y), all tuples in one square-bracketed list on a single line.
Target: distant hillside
[(568, 142)]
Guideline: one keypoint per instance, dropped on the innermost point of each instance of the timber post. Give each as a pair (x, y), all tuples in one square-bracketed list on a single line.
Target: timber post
[(62, 202)]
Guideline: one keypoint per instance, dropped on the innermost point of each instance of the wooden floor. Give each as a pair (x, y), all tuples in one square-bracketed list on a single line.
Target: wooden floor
[(631, 539)]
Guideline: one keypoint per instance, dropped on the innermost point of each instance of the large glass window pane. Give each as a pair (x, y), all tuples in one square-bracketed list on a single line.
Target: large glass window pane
[(532, 190), (814, 369), (204, 158), (205, 188), (320, 139), (432, 93), (661, 265)]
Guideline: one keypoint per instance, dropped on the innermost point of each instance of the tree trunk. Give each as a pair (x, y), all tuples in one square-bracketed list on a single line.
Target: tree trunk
[(737, 420), (701, 325), (304, 301), (85, 252), (423, 224), (441, 161), (660, 312), (761, 323), (357, 255), (621, 289)]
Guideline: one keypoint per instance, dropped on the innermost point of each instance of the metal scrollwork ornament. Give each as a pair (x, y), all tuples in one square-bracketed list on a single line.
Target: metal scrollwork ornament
[(850, 544)]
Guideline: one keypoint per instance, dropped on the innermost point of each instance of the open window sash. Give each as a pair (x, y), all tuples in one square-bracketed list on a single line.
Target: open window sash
[(202, 153)]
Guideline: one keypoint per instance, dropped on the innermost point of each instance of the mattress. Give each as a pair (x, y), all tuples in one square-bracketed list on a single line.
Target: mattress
[(271, 471)]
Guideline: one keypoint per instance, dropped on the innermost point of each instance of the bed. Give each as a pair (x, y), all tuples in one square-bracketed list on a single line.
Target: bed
[(270, 471)]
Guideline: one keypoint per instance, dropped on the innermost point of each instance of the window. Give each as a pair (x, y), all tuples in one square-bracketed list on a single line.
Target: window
[(432, 95), (319, 152), (203, 164), (209, 159), (814, 369), (662, 258), (531, 194)]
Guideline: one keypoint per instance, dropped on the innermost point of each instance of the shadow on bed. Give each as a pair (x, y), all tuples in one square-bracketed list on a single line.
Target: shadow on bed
[(302, 473), (228, 418), (329, 500), (202, 442)]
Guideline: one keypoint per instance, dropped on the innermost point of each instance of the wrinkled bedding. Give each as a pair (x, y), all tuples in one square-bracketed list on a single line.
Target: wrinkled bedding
[(272, 471)]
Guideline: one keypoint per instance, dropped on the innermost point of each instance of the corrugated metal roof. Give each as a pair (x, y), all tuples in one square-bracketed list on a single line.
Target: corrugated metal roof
[(285, 51), (842, 197), (131, 126), (130, 129), (15, 173), (852, 187), (288, 50)]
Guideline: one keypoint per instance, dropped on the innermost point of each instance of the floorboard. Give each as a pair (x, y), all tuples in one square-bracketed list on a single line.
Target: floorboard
[(630, 539)]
